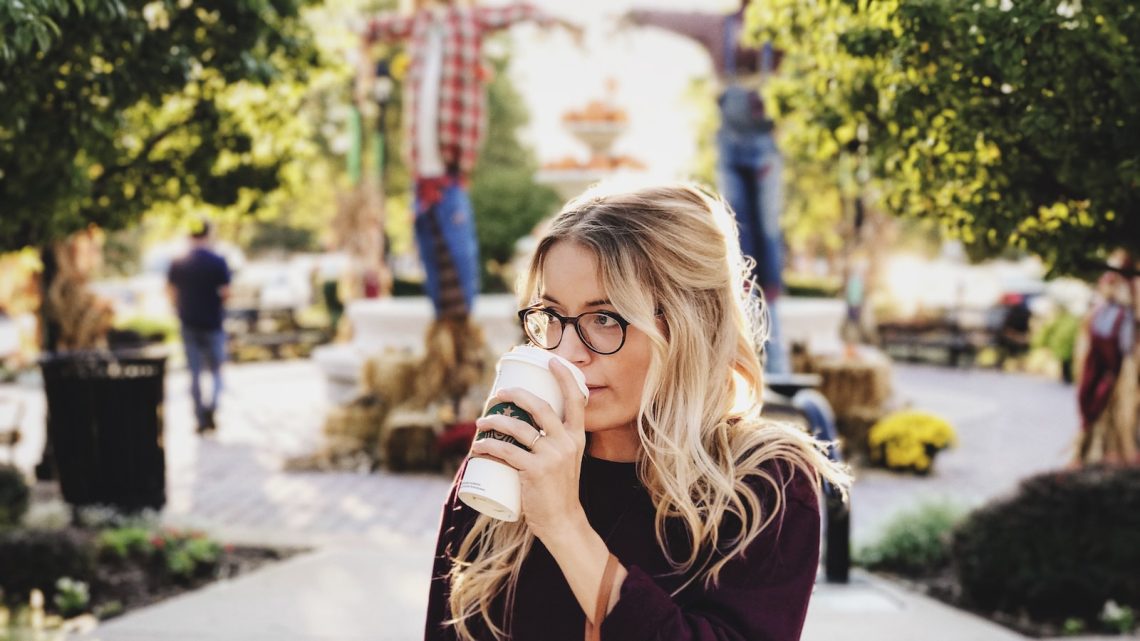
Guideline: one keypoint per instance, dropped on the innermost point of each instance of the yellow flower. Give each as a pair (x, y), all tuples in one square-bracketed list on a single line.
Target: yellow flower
[(907, 439), (400, 65)]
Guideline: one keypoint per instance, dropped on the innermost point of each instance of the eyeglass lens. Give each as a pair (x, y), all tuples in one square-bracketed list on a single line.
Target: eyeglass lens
[(600, 332)]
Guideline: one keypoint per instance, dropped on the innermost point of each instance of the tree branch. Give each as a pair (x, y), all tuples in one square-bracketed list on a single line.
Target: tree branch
[(147, 148)]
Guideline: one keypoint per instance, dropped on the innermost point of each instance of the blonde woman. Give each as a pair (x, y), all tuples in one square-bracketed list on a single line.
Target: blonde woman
[(665, 507)]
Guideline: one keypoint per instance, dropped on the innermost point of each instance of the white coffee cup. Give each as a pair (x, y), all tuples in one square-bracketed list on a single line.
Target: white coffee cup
[(492, 487)]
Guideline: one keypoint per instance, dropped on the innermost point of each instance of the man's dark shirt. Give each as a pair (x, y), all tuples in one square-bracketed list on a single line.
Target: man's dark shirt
[(197, 278)]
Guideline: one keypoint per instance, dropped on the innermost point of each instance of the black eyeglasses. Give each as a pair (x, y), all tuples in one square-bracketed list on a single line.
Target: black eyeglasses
[(602, 332)]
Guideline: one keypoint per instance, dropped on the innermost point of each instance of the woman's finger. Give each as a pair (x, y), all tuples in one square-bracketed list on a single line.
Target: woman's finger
[(539, 410), (575, 402), (508, 453), (512, 427)]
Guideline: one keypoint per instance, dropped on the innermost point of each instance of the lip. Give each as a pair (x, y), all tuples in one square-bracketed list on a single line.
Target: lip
[(595, 388)]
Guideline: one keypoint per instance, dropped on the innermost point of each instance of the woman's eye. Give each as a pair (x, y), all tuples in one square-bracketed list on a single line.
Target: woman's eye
[(601, 320)]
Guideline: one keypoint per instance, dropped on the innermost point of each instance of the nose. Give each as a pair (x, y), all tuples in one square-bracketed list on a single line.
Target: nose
[(572, 348)]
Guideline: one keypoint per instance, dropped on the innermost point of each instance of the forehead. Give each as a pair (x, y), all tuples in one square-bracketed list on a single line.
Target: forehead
[(570, 275)]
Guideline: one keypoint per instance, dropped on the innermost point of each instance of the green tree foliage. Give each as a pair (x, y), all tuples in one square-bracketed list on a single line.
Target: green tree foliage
[(110, 107), (507, 201), (1014, 124)]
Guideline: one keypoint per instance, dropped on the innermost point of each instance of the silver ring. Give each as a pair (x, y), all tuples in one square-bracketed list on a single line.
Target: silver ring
[(541, 433)]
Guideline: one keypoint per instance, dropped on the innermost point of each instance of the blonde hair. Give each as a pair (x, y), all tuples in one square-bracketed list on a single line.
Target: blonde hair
[(674, 251)]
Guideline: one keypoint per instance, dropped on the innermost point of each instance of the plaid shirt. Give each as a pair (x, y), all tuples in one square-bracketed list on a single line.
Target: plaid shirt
[(462, 101)]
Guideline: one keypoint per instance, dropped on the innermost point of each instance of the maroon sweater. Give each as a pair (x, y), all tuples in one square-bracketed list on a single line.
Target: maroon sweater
[(762, 595)]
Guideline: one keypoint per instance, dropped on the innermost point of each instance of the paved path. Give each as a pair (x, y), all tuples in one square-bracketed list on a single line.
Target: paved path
[(372, 533), (1009, 427)]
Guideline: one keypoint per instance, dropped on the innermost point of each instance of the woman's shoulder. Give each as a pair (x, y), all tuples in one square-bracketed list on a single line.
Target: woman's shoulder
[(774, 461), (795, 482)]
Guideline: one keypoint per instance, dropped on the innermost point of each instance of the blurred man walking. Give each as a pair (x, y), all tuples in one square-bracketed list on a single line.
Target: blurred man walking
[(199, 284)]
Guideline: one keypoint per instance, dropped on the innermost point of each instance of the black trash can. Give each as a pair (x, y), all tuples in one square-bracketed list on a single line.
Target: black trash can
[(104, 418)]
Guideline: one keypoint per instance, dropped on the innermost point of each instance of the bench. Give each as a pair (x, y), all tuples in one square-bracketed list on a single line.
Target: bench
[(942, 340), (272, 330)]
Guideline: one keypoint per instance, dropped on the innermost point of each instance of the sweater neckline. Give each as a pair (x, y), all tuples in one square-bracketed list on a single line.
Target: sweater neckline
[(610, 472)]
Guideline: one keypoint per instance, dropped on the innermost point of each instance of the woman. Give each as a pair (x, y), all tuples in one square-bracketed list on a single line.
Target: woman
[(665, 507)]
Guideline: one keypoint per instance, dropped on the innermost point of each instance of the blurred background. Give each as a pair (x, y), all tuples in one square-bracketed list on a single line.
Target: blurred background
[(944, 204)]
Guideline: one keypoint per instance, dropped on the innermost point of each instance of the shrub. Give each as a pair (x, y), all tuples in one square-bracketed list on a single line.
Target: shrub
[(1059, 336), (124, 542), (71, 597), (13, 496), (187, 554), (915, 542), (1062, 547), (908, 440), (183, 554), (38, 558)]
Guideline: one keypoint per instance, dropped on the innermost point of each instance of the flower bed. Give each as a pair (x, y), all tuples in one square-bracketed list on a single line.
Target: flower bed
[(52, 575), (1057, 558)]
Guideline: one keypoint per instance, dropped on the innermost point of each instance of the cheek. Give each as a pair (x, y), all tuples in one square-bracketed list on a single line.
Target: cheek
[(628, 380)]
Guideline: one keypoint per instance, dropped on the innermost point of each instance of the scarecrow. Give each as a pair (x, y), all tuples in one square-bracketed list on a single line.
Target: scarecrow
[(445, 119)]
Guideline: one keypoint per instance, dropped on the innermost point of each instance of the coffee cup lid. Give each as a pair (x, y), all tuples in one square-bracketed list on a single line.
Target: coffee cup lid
[(542, 358)]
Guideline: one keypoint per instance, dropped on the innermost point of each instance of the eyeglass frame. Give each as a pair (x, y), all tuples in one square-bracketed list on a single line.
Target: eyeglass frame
[(573, 320)]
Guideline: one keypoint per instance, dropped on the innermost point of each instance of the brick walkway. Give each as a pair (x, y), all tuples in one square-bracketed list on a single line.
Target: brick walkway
[(233, 484)]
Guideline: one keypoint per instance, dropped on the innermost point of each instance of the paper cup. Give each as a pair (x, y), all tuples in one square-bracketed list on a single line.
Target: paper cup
[(492, 487)]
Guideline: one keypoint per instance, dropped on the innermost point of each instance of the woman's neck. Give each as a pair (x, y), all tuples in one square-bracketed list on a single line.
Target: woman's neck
[(614, 445)]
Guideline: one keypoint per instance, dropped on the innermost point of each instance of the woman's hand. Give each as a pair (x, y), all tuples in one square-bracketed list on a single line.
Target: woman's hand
[(548, 473)]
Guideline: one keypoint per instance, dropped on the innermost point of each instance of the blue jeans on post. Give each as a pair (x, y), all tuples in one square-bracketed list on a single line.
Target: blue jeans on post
[(456, 219), (204, 347), (750, 170)]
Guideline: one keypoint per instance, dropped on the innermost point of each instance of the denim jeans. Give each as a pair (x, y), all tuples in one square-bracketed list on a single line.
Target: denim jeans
[(457, 221), (750, 170), (204, 347)]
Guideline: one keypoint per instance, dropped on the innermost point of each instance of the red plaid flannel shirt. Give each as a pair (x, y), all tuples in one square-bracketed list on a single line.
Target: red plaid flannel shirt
[(462, 101)]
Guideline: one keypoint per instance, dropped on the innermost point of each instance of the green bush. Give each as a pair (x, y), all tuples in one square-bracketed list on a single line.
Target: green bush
[(14, 496), (183, 554), (38, 558), (187, 554), (71, 597), (508, 204), (1062, 547), (125, 542), (159, 328), (1059, 336), (915, 542)]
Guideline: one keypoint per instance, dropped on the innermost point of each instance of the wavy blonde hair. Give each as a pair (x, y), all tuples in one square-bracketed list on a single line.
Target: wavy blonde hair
[(672, 250)]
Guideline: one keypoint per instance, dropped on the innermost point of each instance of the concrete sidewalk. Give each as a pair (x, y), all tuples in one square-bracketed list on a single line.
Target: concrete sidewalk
[(374, 592)]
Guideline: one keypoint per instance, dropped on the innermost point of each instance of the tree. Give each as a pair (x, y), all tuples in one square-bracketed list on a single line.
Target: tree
[(110, 107), (508, 203), (1013, 124)]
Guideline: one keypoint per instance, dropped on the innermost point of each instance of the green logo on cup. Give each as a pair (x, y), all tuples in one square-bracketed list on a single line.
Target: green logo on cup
[(513, 411)]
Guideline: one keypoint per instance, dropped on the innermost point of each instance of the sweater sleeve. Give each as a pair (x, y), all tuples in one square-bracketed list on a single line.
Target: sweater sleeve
[(454, 523), (492, 18), (761, 596)]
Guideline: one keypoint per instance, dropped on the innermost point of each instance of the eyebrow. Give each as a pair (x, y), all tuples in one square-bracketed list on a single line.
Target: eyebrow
[(593, 303)]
